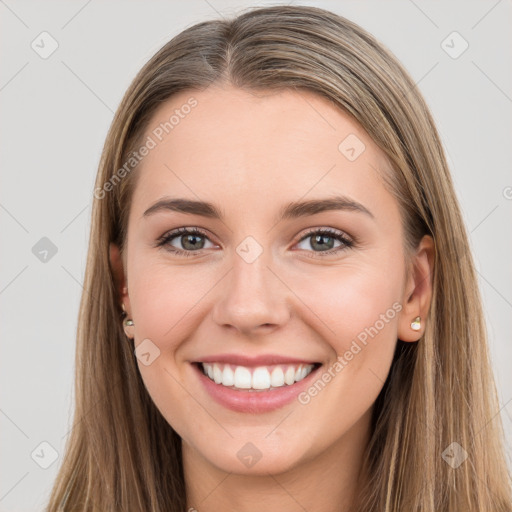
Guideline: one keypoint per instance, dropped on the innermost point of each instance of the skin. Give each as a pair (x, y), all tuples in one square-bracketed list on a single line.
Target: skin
[(250, 154)]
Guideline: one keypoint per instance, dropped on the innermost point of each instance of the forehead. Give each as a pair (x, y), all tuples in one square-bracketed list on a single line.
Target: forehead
[(235, 148)]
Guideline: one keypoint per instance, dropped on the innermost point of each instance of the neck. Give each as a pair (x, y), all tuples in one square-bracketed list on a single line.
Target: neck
[(328, 481)]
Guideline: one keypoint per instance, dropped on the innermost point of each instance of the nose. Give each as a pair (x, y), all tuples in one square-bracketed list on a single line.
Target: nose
[(252, 298)]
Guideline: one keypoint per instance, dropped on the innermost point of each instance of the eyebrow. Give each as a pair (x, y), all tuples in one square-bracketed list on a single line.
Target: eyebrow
[(292, 210)]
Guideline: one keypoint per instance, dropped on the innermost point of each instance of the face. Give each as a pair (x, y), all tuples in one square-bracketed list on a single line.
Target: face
[(254, 293)]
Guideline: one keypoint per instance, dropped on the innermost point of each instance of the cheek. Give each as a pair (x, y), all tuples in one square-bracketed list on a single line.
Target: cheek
[(361, 311), (355, 303), (359, 308), (173, 400), (161, 297)]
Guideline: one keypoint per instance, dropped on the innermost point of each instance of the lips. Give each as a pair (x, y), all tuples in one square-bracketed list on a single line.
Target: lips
[(255, 384)]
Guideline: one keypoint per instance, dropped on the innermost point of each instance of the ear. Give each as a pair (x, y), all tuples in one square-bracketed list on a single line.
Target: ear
[(418, 291), (116, 264)]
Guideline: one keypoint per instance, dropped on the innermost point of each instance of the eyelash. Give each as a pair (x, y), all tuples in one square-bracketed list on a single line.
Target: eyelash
[(332, 233)]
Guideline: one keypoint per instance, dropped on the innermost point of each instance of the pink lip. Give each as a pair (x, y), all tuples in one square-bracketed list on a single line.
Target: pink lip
[(253, 401), (263, 360)]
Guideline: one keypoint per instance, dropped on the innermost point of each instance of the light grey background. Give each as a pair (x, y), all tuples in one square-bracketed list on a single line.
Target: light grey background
[(54, 118)]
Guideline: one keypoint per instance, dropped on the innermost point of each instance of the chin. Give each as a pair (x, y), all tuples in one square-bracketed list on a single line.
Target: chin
[(251, 455)]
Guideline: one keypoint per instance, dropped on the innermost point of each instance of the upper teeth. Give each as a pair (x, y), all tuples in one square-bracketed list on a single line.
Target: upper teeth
[(261, 377)]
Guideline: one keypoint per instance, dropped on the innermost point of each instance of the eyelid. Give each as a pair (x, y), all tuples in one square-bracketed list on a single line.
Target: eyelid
[(325, 229), (185, 230)]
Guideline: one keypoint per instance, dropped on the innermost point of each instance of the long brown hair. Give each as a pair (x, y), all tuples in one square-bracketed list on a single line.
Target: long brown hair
[(122, 455)]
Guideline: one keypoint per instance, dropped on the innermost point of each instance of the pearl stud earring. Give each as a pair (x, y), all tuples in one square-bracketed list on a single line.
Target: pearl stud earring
[(127, 326), (416, 324)]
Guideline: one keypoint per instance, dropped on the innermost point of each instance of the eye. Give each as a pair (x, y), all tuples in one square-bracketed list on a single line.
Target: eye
[(191, 239), (324, 241)]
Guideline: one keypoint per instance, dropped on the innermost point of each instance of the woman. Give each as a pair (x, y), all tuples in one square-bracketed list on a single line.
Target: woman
[(281, 311)]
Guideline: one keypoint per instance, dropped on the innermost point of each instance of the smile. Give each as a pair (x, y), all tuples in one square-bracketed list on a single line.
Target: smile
[(258, 378)]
